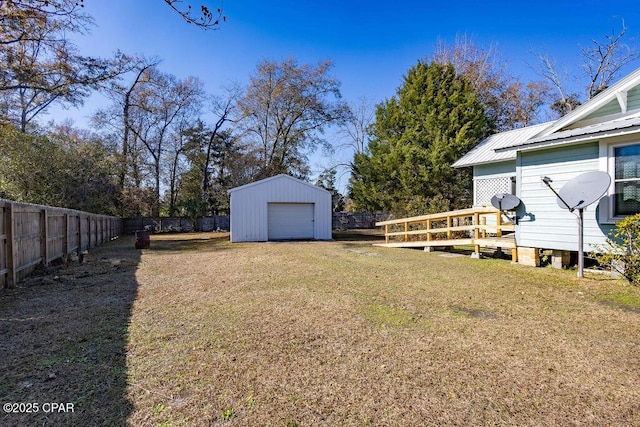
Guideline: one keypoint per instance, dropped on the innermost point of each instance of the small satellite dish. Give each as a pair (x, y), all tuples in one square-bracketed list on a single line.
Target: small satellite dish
[(505, 201), (583, 190)]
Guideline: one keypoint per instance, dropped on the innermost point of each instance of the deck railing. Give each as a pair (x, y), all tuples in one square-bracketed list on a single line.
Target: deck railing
[(481, 226)]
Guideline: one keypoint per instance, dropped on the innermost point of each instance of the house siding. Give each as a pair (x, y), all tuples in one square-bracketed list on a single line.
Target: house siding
[(612, 107), (544, 224), (249, 207), (633, 99)]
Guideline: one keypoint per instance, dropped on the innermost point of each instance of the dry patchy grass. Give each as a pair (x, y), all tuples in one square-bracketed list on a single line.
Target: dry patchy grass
[(204, 332)]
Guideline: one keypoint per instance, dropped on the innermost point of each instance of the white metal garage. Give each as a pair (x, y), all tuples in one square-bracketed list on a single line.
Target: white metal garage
[(280, 208)]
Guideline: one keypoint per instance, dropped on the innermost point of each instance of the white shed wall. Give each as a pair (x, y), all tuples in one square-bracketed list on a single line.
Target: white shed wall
[(249, 219)]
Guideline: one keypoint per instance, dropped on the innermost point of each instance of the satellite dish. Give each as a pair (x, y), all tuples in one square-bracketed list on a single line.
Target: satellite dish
[(505, 201), (583, 190), (579, 193)]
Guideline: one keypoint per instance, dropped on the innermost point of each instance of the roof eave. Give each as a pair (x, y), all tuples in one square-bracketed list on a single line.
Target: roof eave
[(577, 139), (486, 162)]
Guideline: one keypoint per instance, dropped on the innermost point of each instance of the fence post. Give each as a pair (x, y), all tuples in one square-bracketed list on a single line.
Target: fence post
[(79, 225), (10, 254), (476, 232), (65, 238), (44, 237), (90, 232)]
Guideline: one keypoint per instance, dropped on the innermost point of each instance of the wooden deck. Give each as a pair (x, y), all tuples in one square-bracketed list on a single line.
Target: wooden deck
[(478, 227)]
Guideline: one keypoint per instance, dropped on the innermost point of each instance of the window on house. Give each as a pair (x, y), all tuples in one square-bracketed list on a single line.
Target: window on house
[(627, 180)]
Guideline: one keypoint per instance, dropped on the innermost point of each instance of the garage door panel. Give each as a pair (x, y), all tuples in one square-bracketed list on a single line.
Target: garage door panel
[(290, 221)]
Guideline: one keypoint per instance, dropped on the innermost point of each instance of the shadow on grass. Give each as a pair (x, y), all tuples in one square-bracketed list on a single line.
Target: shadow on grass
[(64, 341), (365, 235), (201, 242)]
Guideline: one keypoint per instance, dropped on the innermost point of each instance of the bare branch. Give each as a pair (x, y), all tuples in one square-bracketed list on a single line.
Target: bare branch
[(207, 19), (604, 59)]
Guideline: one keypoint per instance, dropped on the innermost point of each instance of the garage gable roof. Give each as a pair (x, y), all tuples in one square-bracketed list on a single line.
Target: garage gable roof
[(277, 178)]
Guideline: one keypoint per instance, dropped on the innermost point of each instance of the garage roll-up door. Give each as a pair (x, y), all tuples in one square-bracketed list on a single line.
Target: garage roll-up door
[(290, 221)]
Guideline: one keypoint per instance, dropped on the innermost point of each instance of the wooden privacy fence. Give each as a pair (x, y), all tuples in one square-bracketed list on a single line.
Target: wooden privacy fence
[(32, 235)]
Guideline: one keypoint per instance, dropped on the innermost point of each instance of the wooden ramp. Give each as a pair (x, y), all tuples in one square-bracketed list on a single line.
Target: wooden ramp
[(478, 227)]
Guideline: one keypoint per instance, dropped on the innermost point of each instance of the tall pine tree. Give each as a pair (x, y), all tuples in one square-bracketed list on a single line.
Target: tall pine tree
[(433, 120)]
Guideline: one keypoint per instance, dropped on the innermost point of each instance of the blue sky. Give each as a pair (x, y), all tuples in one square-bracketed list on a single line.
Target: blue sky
[(372, 43)]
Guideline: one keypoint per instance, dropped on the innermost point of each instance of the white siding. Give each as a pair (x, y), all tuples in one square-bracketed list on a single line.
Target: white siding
[(249, 213), (612, 107), (544, 224), (633, 99)]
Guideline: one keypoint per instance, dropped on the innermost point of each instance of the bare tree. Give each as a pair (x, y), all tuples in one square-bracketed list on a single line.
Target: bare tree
[(356, 128), (40, 66), (602, 62), (223, 108), (177, 145), (126, 95), (507, 101), (604, 59), (160, 103), (285, 111), (564, 101)]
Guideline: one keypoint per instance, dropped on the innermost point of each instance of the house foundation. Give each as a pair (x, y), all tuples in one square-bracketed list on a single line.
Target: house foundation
[(560, 259), (528, 256)]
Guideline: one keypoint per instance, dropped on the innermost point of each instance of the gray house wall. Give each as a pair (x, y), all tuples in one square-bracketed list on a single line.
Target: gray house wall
[(543, 223)]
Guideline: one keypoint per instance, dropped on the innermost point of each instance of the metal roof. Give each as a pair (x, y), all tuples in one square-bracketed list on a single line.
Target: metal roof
[(277, 177), (487, 150), (623, 126)]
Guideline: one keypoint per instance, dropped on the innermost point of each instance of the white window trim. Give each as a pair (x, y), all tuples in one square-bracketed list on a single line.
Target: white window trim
[(607, 164)]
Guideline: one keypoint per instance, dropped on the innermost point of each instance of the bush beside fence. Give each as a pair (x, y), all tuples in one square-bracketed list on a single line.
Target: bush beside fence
[(32, 235)]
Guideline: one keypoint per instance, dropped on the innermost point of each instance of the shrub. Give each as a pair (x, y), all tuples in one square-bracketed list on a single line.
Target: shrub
[(621, 251)]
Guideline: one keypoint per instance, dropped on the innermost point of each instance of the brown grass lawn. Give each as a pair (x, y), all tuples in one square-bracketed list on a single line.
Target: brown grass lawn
[(199, 331)]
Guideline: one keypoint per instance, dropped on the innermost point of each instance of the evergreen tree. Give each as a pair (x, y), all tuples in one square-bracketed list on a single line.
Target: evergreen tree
[(434, 119)]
